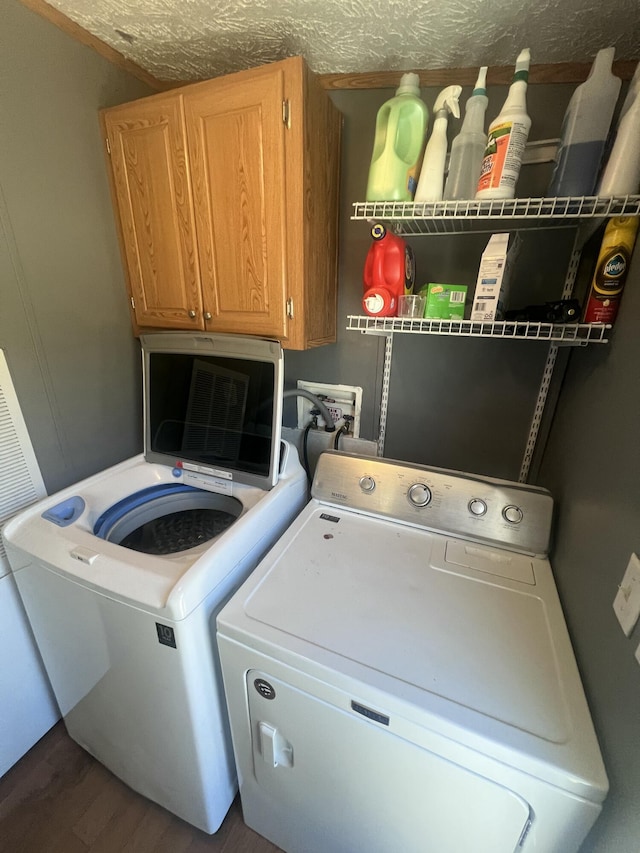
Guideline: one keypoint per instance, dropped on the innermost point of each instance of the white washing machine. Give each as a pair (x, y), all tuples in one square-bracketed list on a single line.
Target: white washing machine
[(122, 575), (399, 675)]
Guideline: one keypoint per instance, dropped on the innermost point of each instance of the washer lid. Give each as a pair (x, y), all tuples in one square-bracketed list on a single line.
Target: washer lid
[(381, 595)]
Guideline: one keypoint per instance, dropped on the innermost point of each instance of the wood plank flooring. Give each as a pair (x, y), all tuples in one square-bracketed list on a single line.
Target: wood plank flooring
[(58, 799)]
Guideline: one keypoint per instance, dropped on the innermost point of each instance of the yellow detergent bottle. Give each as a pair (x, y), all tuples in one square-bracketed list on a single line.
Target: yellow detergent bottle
[(398, 144), (507, 138)]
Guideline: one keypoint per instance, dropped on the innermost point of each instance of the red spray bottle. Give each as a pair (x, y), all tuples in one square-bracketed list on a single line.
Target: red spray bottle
[(389, 273)]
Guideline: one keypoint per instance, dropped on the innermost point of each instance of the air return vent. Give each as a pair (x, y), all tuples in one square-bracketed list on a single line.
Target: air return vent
[(21, 482)]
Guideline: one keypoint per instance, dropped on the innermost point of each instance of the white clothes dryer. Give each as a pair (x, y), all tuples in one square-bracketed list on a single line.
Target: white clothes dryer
[(399, 675), (123, 574)]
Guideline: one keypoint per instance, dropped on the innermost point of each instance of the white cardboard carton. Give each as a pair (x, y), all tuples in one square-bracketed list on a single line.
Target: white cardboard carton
[(492, 285)]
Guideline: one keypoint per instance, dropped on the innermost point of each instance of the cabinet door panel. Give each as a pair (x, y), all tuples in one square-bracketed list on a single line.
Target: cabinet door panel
[(235, 136), (153, 196)]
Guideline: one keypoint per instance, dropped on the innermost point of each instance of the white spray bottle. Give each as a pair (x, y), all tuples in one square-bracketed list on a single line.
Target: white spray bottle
[(467, 149), (431, 181), (507, 138)]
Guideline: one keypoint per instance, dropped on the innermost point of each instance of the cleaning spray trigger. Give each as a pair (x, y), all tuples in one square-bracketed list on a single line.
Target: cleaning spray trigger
[(450, 100)]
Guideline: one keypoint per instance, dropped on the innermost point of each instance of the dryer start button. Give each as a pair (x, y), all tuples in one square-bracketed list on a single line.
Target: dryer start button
[(513, 514), (477, 507)]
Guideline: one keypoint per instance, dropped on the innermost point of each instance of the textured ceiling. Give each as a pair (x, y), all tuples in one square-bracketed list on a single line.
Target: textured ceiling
[(197, 39)]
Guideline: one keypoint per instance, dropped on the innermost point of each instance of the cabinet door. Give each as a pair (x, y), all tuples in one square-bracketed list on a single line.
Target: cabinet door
[(235, 135), (151, 185)]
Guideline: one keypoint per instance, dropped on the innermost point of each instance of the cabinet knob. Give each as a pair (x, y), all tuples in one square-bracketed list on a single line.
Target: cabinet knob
[(192, 313), (207, 315)]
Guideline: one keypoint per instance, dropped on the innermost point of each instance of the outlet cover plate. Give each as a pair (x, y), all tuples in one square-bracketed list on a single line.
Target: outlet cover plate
[(627, 602)]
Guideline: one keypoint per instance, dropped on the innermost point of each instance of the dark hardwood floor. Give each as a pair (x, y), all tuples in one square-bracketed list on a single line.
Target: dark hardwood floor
[(58, 799)]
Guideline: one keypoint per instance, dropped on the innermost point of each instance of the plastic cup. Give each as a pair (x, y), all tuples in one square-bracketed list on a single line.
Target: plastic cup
[(411, 306)]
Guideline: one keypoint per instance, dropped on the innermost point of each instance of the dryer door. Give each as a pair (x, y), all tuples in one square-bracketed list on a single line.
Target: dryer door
[(337, 779)]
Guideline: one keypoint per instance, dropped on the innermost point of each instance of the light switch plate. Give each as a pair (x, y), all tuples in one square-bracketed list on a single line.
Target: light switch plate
[(627, 602)]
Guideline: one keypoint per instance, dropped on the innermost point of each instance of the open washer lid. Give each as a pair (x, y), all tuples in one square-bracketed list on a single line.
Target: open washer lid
[(377, 601), (213, 405)]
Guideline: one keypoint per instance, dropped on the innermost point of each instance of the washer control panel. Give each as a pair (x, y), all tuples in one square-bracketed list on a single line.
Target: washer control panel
[(485, 509)]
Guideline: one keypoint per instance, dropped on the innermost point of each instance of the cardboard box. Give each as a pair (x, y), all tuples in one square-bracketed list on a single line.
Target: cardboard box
[(496, 267), (444, 301)]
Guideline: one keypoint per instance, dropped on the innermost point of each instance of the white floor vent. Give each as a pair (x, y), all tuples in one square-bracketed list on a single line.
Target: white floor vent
[(21, 482)]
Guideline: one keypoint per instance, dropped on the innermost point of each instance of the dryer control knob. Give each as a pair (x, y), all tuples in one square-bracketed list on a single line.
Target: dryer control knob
[(477, 507), (512, 514), (420, 494), (367, 484)]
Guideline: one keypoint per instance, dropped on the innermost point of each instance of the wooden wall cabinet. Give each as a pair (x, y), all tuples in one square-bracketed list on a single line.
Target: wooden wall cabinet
[(226, 200)]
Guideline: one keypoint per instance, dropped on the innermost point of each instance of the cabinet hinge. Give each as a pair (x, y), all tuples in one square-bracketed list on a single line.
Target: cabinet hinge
[(286, 114), (108, 146), (133, 303), (290, 309)]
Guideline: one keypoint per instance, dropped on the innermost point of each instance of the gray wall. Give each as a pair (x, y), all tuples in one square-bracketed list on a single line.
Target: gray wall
[(592, 466), (64, 320), (468, 404), (463, 403)]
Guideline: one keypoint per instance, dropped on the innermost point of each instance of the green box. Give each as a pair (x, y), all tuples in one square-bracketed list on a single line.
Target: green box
[(444, 301)]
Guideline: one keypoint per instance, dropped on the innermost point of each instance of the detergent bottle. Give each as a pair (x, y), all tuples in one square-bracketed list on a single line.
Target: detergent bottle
[(585, 128), (621, 175), (431, 181), (389, 273), (467, 149), (507, 138), (398, 144)]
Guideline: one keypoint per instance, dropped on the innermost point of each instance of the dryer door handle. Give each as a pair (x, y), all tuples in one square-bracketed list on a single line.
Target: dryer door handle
[(276, 751)]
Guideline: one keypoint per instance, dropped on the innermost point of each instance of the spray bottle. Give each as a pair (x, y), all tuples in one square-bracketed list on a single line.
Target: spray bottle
[(467, 149), (621, 175), (398, 144), (585, 128), (507, 138), (435, 154)]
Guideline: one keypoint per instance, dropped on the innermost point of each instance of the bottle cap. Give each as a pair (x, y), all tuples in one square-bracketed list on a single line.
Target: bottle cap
[(379, 302), (409, 85), (522, 66), (481, 83)]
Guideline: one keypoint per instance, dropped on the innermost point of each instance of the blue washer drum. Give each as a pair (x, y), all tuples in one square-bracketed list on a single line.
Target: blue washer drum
[(167, 518)]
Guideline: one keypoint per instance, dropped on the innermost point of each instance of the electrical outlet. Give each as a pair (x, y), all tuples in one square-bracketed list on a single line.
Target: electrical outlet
[(627, 601), (340, 400)]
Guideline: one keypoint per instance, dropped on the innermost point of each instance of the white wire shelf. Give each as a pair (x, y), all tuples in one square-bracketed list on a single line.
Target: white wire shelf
[(570, 334), (449, 217)]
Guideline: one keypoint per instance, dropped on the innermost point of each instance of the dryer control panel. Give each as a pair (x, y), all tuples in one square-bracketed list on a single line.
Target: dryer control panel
[(483, 509)]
